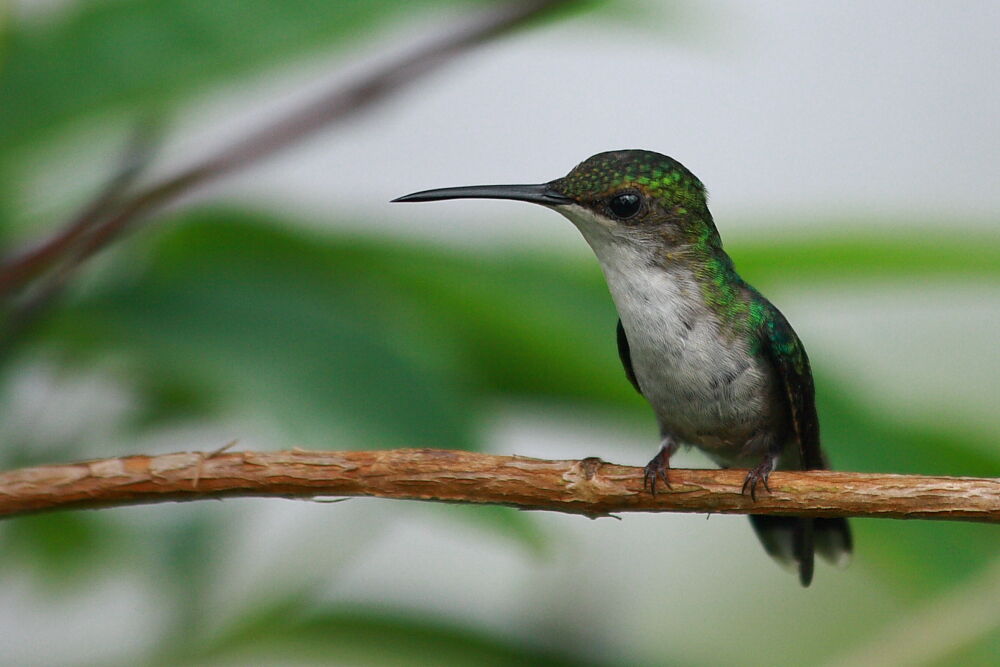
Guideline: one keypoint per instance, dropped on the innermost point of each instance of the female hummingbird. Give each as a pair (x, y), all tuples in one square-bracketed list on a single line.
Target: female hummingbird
[(719, 364)]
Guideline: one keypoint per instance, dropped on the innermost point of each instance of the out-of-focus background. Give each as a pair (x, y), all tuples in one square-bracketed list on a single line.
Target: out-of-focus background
[(850, 149)]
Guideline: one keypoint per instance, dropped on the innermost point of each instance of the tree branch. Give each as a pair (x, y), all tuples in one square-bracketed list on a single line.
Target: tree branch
[(590, 486), (105, 223)]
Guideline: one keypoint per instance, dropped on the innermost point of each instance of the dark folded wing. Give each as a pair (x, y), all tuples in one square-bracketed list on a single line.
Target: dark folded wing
[(784, 350), (626, 356)]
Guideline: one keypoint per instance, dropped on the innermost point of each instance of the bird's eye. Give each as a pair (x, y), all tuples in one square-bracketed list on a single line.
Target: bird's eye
[(625, 205)]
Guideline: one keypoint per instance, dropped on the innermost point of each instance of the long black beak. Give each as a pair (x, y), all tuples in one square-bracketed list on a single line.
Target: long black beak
[(536, 194)]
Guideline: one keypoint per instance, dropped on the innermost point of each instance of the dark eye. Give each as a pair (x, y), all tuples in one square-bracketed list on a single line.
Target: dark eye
[(625, 205)]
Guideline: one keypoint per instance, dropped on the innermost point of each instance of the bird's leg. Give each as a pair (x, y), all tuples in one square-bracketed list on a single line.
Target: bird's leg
[(659, 465), (759, 474)]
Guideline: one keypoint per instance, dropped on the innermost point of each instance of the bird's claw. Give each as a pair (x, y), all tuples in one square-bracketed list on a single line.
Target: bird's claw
[(656, 469), (758, 475)]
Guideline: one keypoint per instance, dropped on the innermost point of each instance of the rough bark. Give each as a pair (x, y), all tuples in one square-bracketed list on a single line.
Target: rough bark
[(590, 487)]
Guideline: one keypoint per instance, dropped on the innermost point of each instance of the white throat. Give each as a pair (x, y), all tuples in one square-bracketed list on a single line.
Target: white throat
[(634, 274)]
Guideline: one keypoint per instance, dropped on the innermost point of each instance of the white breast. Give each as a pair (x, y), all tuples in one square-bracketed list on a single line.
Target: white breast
[(703, 384)]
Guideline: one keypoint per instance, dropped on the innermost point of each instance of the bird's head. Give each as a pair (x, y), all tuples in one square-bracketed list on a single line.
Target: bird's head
[(632, 197)]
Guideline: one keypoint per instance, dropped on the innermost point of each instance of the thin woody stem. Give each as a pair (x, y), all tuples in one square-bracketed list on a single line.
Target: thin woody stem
[(590, 487)]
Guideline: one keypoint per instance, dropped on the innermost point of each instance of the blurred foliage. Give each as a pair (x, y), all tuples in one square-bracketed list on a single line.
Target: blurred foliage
[(347, 633), (119, 55), (342, 341), (859, 256), (57, 549), (982, 652), (267, 316)]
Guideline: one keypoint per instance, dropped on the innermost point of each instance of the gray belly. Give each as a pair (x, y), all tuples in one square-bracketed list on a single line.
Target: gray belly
[(706, 390)]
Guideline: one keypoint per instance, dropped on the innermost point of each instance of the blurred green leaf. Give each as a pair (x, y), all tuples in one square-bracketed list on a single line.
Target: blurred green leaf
[(865, 439), (188, 551), (530, 324), (254, 316), (58, 549), (6, 210), (376, 636), (983, 651), (122, 55), (925, 254)]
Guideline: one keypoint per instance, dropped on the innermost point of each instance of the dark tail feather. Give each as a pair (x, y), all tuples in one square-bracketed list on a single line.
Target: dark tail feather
[(833, 541), (792, 540), (804, 548)]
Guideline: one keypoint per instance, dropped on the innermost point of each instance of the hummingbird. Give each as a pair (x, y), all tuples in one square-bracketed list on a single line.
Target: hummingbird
[(719, 364)]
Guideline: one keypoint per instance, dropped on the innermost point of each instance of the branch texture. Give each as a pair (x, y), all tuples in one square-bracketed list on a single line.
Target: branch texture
[(590, 487)]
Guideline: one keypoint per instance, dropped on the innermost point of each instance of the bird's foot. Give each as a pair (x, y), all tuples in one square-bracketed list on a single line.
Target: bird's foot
[(657, 469), (758, 475)]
